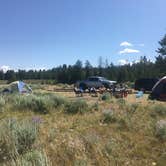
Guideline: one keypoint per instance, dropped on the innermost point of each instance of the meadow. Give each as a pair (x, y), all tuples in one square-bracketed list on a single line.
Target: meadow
[(49, 128)]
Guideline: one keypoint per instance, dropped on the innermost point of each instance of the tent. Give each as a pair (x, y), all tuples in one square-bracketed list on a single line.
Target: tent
[(18, 87), (159, 90)]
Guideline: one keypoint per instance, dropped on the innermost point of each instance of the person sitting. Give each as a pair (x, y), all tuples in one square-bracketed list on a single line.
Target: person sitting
[(102, 89), (78, 91), (93, 91)]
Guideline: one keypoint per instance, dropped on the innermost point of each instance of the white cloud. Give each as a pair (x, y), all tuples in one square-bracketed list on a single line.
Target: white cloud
[(128, 51), (36, 68), (122, 62), (4, 68), (126, 44)]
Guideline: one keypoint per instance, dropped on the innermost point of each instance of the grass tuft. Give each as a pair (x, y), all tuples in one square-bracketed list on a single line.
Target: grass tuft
[(78, 106)]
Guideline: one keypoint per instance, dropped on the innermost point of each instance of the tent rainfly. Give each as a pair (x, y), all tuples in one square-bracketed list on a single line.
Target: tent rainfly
[(159, 90), (18, 87)]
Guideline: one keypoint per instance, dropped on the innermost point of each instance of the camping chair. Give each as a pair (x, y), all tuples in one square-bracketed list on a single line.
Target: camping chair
[(78, 92), (139, 95), (93, 92)]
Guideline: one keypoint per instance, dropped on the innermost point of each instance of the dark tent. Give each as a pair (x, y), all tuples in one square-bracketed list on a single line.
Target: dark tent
[(159, 90)]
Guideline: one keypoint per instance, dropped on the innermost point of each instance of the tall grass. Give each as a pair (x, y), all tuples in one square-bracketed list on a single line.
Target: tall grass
[(106, 97), (78, 106), (121, 103), (25, 134), (2, 103), (158, 110), (109, 116), (8, 148), (38, 103), (161, 129), (32, 158), (16, 144)]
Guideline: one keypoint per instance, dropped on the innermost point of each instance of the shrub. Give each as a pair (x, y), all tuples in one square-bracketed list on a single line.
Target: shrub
[(106, 97), (95, 106), (31, 102), (78, 106), (108, 116), (111, 146), (33, 158), (7, 141), (158, 110), (79, 162), (2, 104), (36, 158), (58, 101), (121, 103), (22, 102), (161, 129), (131, 108), (25, 134), (16, 138), (41, 103), (124, 123)]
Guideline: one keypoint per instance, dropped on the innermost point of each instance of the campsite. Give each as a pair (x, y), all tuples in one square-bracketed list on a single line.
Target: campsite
[(61, 128), (82, 83)]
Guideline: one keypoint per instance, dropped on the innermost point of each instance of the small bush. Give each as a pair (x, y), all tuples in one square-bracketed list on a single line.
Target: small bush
[(111, 146), (38, 103), (41, 104), (161, 129), (124, 123), (78, 106), (108, 116), (131, 108), (36, 158), (158, 110), (80, 162), (31, 102), (25, 134), (2, 104), (16, 138), (95, 106), (106, 97), (58, 101), (7, 141), (121, 103), (33, 158)]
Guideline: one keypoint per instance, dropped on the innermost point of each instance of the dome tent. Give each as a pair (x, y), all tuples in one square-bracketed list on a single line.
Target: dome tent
[(159, 90), (18, 87)]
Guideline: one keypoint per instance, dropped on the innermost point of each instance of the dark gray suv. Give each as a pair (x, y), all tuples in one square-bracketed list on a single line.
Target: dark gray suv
[(95, 82)]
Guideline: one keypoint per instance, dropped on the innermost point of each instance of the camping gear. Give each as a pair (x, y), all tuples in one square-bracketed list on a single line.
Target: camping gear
[(145, 84), (139, 94), (17, 87), (159, 90), (78, 92)]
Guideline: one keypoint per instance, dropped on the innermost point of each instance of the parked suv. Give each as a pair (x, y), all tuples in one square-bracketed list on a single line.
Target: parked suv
[(95, 82)]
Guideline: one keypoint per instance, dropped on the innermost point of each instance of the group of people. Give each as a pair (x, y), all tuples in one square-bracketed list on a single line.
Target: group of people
[(117, 91), (120, 91)]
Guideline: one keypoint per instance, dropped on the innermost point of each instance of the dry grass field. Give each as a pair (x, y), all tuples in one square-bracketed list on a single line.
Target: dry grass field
[(81, 131)]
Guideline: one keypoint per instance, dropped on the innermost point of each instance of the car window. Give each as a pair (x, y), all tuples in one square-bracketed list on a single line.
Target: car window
[(93, 79)]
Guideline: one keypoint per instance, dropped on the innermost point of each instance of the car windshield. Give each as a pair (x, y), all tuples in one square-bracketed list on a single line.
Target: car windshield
[(103, 79)]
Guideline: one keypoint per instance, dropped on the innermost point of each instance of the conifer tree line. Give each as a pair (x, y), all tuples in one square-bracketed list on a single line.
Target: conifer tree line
[(79, 71)]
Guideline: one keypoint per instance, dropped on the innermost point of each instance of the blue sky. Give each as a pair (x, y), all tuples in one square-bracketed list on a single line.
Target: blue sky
[(48, 33)]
